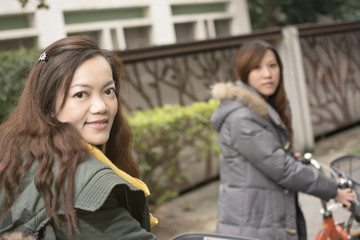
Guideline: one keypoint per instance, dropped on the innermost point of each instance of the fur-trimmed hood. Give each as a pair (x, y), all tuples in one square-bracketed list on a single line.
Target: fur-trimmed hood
[(246, 95)]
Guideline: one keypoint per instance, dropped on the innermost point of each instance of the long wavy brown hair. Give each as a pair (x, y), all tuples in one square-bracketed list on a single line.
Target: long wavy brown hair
[(249, 56), (32, 133)]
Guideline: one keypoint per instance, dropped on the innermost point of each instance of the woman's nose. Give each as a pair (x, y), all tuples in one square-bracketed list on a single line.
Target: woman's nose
[(98, 105), (266, 72)]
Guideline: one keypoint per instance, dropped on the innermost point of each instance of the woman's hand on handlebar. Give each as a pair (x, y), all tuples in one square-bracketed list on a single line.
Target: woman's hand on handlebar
[(345, 196)]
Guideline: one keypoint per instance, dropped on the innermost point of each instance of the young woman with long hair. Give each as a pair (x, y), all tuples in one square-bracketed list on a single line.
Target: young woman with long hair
[(259, 173), (66, 170)]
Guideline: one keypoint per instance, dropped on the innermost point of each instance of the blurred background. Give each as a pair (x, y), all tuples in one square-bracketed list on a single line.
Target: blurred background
[(128, 24)]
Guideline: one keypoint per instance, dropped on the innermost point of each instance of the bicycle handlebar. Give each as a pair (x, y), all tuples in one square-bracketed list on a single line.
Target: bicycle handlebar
[(308, 160), (343, 181)]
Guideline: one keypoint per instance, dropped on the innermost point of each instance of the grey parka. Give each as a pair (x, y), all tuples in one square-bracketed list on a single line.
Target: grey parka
[(107, 207), (259, 176)]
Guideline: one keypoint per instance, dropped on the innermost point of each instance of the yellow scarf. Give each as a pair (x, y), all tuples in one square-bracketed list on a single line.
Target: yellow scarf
[(134, 181)]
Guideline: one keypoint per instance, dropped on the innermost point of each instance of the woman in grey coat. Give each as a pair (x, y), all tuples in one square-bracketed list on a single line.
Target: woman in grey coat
[(259, 174)]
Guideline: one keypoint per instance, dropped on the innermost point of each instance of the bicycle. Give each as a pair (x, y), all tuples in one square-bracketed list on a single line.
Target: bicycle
[(346, 170), (208, 236)]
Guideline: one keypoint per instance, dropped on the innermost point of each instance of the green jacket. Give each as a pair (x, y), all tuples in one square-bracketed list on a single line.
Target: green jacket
[(107, 207)]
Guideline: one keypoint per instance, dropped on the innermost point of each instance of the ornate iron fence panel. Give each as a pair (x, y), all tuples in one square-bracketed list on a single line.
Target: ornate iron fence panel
[(177, 79), (182, 73), (332, 71)]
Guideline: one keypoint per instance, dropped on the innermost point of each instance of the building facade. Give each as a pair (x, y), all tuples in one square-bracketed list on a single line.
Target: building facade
[(121, 24)]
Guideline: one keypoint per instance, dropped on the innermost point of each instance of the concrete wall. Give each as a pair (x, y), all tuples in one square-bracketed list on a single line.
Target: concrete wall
[(48, 25)]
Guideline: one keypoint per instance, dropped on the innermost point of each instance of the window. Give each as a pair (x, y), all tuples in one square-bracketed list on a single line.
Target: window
[(198, 8), (222, 27), (95, 35), (114, 39), (14, 22), (137, 37), (18, 43), (74, 17), (184, 32)]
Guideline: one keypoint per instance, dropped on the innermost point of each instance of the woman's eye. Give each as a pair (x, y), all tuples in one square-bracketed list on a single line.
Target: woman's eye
[(273, 65), (80, 95), (110, 91), (257, 67)]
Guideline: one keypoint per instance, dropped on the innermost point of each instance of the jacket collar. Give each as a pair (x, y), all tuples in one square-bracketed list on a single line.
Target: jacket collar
[(248, 96), (134, 181), (244, 93)]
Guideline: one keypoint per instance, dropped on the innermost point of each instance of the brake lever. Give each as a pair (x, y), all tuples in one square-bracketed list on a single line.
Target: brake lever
[(306, 159), (345, 183)]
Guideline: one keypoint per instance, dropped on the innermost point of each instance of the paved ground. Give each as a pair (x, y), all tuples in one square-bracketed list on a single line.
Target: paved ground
[(196, 211)]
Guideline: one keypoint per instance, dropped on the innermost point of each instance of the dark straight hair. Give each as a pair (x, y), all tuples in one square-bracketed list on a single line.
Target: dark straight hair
[(249, 56)]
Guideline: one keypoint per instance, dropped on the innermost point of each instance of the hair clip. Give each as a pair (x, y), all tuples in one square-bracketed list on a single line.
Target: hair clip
[(42, 57)]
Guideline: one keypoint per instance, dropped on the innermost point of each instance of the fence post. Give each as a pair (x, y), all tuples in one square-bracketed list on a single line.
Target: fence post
[(295, 84)]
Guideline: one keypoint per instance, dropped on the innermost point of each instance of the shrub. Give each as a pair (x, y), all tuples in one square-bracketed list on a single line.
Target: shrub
[(173, 143), (14, 68)]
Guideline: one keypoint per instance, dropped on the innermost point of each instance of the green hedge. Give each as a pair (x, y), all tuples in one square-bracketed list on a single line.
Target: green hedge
[(166, 140), (14, 68)]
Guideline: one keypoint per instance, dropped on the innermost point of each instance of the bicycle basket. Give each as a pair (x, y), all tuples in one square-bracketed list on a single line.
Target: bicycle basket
[(350, 166)]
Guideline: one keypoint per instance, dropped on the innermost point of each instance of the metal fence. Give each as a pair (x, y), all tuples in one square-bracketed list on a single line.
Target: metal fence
[(182, 73)]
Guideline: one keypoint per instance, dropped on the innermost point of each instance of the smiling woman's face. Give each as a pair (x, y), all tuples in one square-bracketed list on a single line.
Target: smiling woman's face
[(91, 104), (265, 77)]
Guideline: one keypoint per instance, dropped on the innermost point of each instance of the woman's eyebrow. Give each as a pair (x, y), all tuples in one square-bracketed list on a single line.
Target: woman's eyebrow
[(109, 83), (89, 86), (81, 85)]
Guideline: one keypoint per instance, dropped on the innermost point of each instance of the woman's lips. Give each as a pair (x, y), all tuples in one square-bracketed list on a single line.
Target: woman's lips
[(98, 124), (268, 84)]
